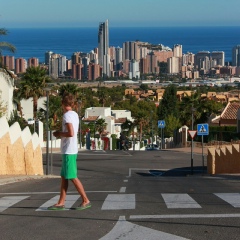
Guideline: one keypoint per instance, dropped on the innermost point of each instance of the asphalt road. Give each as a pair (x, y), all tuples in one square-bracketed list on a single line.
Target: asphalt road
[(135, 195)]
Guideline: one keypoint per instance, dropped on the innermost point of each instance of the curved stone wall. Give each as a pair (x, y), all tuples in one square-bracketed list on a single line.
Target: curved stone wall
[(21, 153)]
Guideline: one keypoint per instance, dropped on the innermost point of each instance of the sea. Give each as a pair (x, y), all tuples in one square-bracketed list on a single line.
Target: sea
[(34, 42)]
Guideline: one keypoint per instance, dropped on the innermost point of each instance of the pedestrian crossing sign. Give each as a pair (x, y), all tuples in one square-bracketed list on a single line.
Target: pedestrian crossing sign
[(161, 124), (202, 129)]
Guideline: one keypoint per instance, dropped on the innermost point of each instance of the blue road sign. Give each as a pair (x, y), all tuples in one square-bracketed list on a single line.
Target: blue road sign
[(161, 123), (202, 129)]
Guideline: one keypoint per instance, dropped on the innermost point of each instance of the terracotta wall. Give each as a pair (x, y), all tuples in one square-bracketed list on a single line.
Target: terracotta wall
[(224, 160), (21, 153)]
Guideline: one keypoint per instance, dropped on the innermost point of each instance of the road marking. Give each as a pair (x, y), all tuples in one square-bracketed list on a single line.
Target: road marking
[(6, 202), (173, 200), (231, 198), (125, 181), (230, 215), (122, 189), (70, 200), (143, 169), (32, 193), (127, 230), (119, 201)]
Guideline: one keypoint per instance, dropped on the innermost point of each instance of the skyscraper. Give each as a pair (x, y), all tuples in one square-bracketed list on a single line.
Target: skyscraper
[(236, 56), (218, 58), (103, 48)]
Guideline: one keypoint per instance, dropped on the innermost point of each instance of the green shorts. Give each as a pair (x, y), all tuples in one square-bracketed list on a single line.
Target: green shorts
[(69, 166)]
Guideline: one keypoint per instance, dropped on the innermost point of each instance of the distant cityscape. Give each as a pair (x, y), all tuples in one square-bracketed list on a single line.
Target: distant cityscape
[(135, 60)]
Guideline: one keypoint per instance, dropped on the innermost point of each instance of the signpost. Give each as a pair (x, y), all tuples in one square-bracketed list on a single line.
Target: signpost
[(192, 133), (161, 124), (202, 130)]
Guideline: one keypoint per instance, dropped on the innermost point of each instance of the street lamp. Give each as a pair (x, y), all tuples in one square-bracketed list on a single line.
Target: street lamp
[(152, 129), (47, 122), (80, 123)]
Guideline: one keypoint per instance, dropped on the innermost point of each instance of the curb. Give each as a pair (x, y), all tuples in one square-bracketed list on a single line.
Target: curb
[(13, 179)]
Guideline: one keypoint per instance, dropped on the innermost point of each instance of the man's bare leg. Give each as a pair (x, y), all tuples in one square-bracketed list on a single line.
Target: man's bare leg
[(78, 185), (63, 191)]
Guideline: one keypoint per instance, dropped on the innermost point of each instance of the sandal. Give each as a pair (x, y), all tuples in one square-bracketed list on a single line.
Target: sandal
[(54, 207), (82, 207)]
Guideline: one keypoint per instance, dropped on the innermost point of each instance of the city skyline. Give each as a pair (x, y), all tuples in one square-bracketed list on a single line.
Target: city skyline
[(134, 13)]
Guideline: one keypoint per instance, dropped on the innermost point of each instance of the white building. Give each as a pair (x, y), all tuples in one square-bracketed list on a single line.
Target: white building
[(173, 65), (134, 69), (6, 91), (113, 118)]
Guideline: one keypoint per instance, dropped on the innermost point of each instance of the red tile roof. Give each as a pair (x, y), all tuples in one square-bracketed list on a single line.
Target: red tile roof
[(120, 120), (230, 111), (90, 119)]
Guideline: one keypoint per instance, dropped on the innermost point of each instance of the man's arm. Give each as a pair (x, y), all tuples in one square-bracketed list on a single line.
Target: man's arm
[(69, 133)]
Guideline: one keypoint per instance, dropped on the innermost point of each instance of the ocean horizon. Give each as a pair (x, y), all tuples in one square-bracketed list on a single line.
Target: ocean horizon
[(34, 42)]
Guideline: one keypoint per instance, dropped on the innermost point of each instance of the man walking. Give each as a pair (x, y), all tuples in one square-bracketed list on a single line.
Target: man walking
[(69, 149)]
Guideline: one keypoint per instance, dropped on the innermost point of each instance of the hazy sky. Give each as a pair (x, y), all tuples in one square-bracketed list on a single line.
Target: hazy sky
[(120, 13)]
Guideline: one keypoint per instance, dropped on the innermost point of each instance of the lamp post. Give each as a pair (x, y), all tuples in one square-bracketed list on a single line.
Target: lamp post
[(152, 129), (47, 143), (80, 123)]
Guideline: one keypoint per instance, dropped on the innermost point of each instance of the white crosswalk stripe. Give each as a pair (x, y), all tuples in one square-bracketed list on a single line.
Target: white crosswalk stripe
[(70, 200), (231, 198), (125, 201), (8, 201), (179, 201)]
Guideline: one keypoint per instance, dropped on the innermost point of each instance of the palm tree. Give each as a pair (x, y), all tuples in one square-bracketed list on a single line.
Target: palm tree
[(55, 112), (188, 106), (100, 126), (70, 88), (33, 83), (5, 45), (141, 121), (17, 97)]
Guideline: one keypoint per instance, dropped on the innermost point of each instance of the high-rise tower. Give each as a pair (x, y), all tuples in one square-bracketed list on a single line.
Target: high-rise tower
[(103, 48), (236, 56)]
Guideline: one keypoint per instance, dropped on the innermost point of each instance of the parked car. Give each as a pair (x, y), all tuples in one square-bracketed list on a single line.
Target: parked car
[(152, 147)]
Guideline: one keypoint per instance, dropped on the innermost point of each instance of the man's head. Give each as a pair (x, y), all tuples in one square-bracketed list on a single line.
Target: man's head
[(68, 100)]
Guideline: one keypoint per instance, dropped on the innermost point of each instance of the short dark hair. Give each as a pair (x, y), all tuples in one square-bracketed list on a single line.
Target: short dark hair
[(68, 99)]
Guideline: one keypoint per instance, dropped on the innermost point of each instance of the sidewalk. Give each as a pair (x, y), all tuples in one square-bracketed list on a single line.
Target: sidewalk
[(6, 179), (195, 150)]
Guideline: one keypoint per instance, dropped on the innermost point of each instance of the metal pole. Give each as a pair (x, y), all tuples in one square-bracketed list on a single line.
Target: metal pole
[(152, 133), (47, 145), (51, 153), (161, 138), (80, 124), (202, 155), (80, 134), (192, 147)]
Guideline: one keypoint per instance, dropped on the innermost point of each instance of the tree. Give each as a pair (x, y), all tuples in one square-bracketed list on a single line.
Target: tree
[(143, 87), (55, 112), (188, 106), (5, 45), (3, 107), (70, 88), (17, 97), (100, 126), (169, 103), (33, 83), (172, 123)]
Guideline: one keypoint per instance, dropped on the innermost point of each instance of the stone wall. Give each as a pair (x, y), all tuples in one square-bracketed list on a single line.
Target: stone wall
[(21, 153), (225, 159)]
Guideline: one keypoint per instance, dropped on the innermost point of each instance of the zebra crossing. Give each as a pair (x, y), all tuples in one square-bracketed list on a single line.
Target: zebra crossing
[(123, 201)]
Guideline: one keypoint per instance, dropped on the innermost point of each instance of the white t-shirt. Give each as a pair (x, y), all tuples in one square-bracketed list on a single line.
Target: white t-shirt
[(69, 145)]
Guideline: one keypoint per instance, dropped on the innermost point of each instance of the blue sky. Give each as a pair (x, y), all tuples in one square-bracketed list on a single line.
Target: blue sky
[(124, 13)]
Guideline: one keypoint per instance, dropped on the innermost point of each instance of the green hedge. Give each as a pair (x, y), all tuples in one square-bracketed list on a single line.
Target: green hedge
[(218, 133)]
